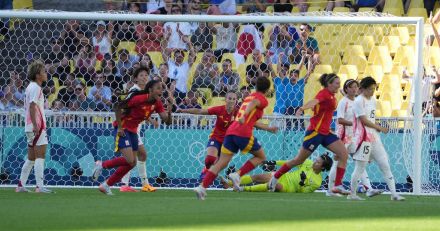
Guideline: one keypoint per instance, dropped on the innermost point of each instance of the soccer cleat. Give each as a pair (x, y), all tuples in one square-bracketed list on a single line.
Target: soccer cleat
[(373, 192), (148, 188), (235, 178), (272, 184), (355, 197), (104, 188), (127, 188), (241, 189), (330, 194), (21, 189), (43, 190), (224, 182), (341, 190), (97, 170), (200, 192), (397, 197)]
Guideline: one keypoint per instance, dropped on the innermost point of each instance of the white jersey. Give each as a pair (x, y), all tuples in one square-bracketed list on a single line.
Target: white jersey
[(364, 107), (345, 111), (34, 93)]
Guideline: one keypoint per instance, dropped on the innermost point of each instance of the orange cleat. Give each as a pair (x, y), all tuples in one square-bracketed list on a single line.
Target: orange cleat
[(148, 188)]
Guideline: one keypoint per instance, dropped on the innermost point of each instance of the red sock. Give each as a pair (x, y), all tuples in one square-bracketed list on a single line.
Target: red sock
[(339, 175), (281, 171), (20, 184), (209, 161), (209, 178), (118, 174), (115, 162), (247, 167)]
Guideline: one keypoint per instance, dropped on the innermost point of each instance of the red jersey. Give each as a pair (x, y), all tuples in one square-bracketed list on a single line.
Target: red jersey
[(245, 129), (323, 112), (138, 111), (224, 119)]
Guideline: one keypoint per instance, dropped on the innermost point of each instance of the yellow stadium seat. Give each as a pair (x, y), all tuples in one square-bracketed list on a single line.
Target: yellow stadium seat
[(392, 42), (56, 82), (199, 57), (374, 71), (332, 59), (98, 65), (418, 12), (367, 42), (378, 113), (311, 88), (207, 93), (354, 50), (378, 51), (395, 100), (269, 109), (341, 9), (318, 3), (190, 79), (323, 68), (390, 83), (350, 70), (156, 57), (342, 41), (367, 9), (416, 4), (402, 32), (315, 8), (385, 108), (404, 105), (130, 46), (394, 11), (22, 4), (393, 3), (358, 60), (242, 73), (402, 52), (269, 9), (295, 10), (397, 70), (217, 101)]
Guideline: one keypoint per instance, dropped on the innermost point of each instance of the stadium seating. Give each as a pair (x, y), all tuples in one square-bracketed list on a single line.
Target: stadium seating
[(418, 12)]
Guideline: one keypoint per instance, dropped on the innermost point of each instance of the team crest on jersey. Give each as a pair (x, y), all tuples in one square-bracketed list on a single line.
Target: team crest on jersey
[(127, 142), (311, 147), (212, 142)]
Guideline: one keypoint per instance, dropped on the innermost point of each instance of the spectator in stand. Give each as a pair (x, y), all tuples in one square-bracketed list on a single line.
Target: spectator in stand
[(165, 9), (4, 101), (145, 61), (281, 40), (256, 69), (301, 4), (206, 72), (176, 33), (225, 7), (190, 101), (248, 40), (168, 84), (53, 59), (282, 6), (194, 9), (178, 68), (4, 22), (102, 40), (126, 33), (100, 94), (155, 5), (63, 69), (245, 91), (226, 39), (108, 67), (306, 45), (255, 6), (67, 94), (125, 62), (228, 79), (378, 4), (57, 105), (85, 104), (150, 35), (14, 90), (70, 38), (85, 63), (202, 38)]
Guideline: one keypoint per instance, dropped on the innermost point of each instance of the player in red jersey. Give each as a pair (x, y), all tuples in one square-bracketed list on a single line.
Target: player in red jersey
[(225, 115), (319, 133), (129, 114), (239, 136)]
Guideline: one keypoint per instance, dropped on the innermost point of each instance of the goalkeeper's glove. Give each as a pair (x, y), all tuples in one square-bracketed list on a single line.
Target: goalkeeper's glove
[(269, 166), (303, 178)]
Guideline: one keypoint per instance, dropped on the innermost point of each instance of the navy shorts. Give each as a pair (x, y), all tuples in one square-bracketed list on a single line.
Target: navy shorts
[(215, 144), (313, 139), (129, 140), (232, 144)]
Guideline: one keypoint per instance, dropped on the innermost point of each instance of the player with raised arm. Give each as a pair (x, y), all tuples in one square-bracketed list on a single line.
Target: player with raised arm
[(319, 133), (140, 76), (305, 179), (35, 129), (129, 114), (345, 117), (367, 140), (239, 136), (225, 116)]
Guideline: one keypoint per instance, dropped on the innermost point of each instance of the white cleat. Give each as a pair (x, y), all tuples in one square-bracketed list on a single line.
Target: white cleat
[(97, 170), (373, 192), (272, 184), (200, 192), (235, 178), (22, 190), (330, 194), (355, 197), (43, 190), (397, 197), (241, 189), (104, 188), (341, 190)]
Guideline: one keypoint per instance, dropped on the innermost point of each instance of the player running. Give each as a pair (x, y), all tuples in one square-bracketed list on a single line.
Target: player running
[(129, 114), (345, 117), (35, 129), (225, 116), (367, 140), (305, 179), (239, 136), (319, 133)]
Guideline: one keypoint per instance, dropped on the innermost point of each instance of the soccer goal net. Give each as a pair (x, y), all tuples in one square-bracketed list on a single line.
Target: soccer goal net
[(90, 59)]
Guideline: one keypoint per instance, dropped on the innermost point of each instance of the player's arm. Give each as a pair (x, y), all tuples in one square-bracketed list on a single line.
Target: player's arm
[(250, 107), (118, 107), (310, 104), (266, 127), (33, 107), (194, 111), (364, 120)]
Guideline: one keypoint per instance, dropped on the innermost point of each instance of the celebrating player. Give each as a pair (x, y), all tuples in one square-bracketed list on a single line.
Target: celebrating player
[(344, 131), (319, 133), (367, 140), (306, 179), (141, 78), (129, 114), (239, 137), (35, 129), (225, 115)]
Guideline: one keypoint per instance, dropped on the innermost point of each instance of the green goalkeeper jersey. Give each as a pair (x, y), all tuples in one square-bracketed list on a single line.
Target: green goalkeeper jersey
[(291, 180)]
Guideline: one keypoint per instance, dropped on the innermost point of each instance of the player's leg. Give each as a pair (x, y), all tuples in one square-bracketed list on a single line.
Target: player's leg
[(142, 169), (27, 166), (212, 153), (359, 169), (40, 155), (335, 145), (331, 179), (126, 180), (365, 180)]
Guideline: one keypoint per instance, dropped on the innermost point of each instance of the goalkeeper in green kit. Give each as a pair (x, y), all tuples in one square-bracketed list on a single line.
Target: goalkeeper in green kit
[(306, 178)]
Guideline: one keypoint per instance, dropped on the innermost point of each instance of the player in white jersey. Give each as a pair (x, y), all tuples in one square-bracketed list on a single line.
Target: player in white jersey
[(367, 140), (141, 79), (345, 117), (35, 129)]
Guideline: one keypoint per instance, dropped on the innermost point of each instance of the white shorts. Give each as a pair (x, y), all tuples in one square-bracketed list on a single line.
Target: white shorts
[(377, 152), (39, 140), (140, 140)]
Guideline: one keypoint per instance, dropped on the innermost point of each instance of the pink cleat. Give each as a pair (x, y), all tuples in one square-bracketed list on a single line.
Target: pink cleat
[(127, 188)]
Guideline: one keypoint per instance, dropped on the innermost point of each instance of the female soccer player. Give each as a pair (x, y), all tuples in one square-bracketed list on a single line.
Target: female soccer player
[(225, 116), (345, 116), (35, 129), (305, 179), (141, 78), (367, 140), (129, 114), (319, 133), (239, 137)]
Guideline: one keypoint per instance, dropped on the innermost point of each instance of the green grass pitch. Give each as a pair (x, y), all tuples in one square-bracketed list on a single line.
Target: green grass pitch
[(88, 209)]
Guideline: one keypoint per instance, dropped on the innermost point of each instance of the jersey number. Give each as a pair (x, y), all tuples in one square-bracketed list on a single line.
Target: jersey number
[(373, 114), (366, 149), (241, 111)]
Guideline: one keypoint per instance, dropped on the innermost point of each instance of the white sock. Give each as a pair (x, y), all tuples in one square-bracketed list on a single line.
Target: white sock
[(39, 172), (359, 168), (126, 179), (332, 175), (384, 166), (142, 168), (25, 171), (365, 180)]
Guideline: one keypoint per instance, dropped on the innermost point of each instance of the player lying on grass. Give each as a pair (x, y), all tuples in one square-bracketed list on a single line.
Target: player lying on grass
[(305, 179)]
